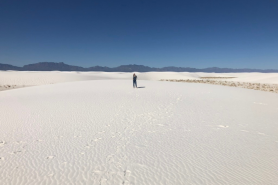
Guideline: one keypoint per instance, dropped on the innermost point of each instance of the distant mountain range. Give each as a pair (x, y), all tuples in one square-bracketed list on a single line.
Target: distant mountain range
[(52, 66)]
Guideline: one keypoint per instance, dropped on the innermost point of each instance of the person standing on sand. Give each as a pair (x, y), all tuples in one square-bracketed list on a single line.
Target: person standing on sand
[(134, 80)]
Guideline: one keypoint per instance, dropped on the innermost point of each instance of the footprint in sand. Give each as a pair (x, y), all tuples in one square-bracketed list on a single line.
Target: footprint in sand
[(110, 158), (99, 169), (160, 125), (222, 126), (244, 131), (19, 142), (87, 146), (50, 157), (260, 103), (127, 173), (97, 139), (16, 152), (2, 143)]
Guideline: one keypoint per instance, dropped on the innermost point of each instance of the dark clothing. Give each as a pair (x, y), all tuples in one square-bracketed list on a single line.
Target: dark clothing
[(134, 81), (134, 84), (134, 78)]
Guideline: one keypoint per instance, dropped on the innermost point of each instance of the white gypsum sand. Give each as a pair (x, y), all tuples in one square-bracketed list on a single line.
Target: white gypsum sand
[(106, 132), (257, 81), (31, 78), (8, 87), (218, 81)]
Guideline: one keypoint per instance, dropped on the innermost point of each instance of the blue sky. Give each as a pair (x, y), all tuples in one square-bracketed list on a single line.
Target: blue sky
[(156, 33)]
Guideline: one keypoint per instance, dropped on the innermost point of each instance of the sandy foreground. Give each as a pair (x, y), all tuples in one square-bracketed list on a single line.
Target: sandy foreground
[(94, 128)]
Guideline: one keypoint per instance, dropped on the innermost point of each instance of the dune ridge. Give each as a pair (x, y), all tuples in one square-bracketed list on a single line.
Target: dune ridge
[(255, 86), (30, 78)]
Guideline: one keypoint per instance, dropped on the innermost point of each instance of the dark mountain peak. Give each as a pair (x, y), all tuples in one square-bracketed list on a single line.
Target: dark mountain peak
[(134, 67), (8, 67), (99, 68), (52, 66)]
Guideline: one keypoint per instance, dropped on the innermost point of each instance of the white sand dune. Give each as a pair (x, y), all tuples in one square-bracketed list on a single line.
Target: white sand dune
[(106, 132), (27, 78)]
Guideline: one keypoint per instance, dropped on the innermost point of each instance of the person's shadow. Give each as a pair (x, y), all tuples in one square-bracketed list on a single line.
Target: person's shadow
[(141, 87)]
